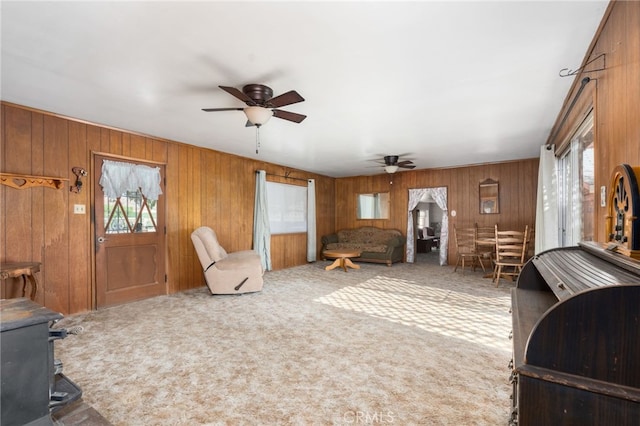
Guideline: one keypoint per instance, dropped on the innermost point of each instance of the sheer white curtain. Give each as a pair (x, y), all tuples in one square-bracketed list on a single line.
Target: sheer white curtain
[(415, 195), (118, 177), (261, 230), (377, 205), (574, 232), (311, 221), (547, 201), (570, 196), (439, 195)]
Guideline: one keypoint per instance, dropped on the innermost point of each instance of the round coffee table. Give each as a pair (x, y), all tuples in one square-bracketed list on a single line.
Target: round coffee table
[(342, 258)]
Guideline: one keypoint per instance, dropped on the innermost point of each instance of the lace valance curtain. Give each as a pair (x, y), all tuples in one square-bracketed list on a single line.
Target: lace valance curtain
[(118, 177)]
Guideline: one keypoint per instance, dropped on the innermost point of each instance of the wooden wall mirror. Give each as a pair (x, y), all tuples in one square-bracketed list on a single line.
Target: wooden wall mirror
[(373, 206), (489, 197)]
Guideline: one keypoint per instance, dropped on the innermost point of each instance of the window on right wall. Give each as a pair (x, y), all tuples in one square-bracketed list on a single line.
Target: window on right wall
[(577, 187)]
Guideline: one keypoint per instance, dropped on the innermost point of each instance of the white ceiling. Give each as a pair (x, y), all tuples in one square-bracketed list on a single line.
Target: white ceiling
[(450, 83)]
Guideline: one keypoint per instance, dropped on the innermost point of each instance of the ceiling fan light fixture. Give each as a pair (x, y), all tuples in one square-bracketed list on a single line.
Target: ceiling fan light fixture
[(258, 115), (390, 169)]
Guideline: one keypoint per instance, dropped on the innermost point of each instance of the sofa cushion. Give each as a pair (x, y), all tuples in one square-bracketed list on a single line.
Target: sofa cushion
[(366, 235), (349, 236), (373, 248)]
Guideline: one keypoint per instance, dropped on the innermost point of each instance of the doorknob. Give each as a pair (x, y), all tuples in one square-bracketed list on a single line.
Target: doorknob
[(101, 240)]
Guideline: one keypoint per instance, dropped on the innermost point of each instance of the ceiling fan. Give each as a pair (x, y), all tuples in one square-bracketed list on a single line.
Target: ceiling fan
[(391, 164), (261, 105)]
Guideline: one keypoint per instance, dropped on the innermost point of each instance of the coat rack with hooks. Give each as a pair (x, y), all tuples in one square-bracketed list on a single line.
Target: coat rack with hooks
[(20, 181)]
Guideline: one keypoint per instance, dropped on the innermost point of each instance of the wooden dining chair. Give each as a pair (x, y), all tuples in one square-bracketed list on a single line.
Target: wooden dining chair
[(486, 242), (467, 253), (531, 243), (511, 251)]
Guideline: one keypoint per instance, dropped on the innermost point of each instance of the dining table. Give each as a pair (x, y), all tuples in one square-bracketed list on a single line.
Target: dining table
[(486, 245)]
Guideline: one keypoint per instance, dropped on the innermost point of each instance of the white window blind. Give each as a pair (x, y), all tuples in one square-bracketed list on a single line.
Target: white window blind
[(287, 207)]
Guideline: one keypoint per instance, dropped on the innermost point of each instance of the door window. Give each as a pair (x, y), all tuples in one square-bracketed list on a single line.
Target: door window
[(131, 212)]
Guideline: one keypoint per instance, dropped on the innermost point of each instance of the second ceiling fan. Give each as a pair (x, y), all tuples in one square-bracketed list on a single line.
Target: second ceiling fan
[(261, 105), (391, 164)]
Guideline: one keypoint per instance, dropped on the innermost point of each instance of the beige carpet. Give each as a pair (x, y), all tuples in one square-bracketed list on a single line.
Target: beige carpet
[(414, 344)]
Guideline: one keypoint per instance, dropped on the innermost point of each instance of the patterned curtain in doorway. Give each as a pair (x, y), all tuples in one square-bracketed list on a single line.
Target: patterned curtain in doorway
[(439, 195)]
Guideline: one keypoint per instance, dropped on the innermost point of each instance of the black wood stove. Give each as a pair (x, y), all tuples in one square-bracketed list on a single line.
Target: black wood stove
[(32, 384)]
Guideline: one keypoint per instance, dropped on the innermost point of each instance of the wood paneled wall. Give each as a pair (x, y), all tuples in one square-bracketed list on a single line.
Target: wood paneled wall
[(206, 187), (203, 187), (614, 95), (518, 186)]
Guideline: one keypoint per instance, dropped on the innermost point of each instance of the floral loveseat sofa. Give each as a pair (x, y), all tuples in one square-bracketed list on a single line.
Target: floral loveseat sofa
[(376, 244)]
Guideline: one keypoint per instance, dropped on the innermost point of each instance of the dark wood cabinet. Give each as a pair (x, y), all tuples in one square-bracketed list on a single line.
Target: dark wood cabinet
[(576, 339)]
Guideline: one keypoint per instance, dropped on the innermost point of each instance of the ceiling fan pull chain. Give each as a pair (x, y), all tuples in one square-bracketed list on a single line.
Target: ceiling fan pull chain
[(257, 138)]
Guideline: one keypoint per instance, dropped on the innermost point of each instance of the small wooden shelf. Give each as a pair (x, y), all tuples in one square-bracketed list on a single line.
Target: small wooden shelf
[(19, 181)]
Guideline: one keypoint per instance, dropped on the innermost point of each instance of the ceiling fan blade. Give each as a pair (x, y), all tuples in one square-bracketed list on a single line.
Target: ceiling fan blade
[(222, 109), (238, 94), (407, 166), (404, 163), (291, 116), (291, 97)]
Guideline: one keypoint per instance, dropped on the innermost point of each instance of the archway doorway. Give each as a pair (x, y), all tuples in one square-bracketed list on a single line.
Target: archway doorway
[(438, 196)]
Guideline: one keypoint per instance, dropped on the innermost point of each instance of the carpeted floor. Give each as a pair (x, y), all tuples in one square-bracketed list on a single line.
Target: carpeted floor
[(414, 344)]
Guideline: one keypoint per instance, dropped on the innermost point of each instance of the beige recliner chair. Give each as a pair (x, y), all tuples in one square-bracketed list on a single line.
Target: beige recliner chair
[(226, 273)]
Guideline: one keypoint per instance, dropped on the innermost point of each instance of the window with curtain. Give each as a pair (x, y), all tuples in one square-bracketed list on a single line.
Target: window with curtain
[(131, 194), (576, 189)]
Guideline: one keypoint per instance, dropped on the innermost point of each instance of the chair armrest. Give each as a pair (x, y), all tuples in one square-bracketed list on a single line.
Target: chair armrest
[(328, 239), (396, 241)]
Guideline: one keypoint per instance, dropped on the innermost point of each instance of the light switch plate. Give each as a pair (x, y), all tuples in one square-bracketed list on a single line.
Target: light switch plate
[(603, 196), (79, 209)]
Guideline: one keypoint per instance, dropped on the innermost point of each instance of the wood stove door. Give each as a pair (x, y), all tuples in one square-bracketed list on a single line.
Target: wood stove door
[(130, 242)]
